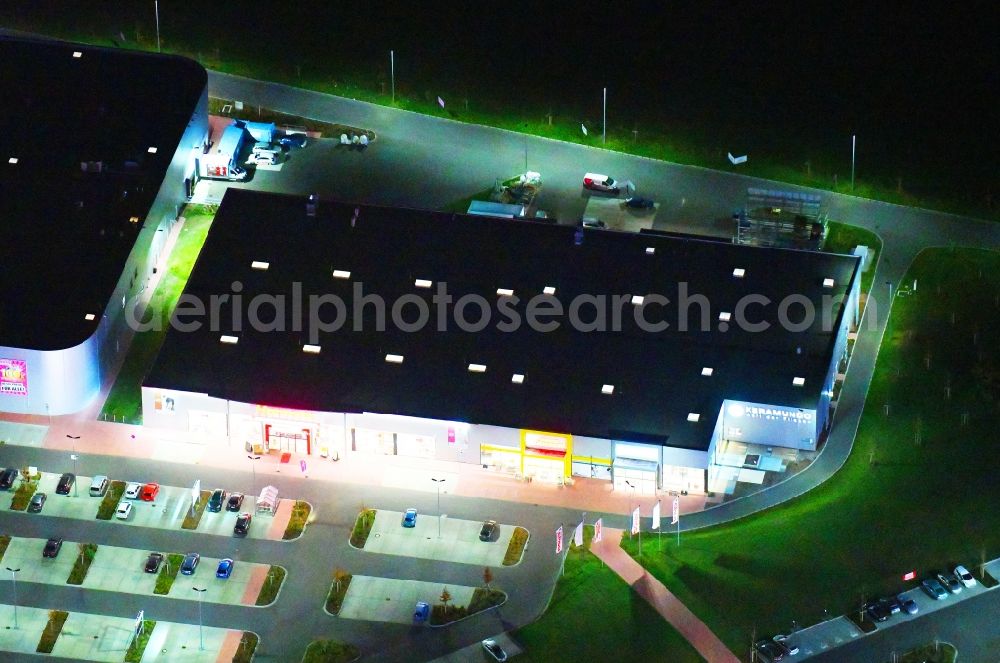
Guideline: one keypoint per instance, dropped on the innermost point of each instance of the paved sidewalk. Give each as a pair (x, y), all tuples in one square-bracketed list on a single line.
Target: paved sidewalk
[(665, 603)]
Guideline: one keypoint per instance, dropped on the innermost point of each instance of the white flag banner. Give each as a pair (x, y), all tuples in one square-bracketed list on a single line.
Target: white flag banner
[(656, 515), (635, 521), (583, 128), (677, 511), (598, 530), (440, 102), (578, 535), (559, 540)]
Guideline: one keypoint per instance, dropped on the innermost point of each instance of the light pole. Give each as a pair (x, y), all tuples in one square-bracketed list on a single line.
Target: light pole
[(13, 579), (253, 471), (201, 634), (392, 74), (74, 457), (156, 5), (854, 139), (604, 129), (437, 483)]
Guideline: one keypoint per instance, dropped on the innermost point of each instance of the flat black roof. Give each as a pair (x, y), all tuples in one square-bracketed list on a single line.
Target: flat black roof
[(65, 234), (657, 377)]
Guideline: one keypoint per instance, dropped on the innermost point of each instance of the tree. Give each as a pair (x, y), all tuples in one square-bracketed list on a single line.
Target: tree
[(445, 597), (339, 576), (487, 576)]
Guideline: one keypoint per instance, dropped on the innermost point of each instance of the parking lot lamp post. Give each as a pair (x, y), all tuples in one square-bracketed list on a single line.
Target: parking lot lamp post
[(201, 634), (604, 129), (156, 7), (253, 470), (392, 74), (13, 579), (437, 483)]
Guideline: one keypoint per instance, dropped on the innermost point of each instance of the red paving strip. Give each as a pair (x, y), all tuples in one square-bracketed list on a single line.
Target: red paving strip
[(658, 596), (230, 646), (258, 575), (279, 521)]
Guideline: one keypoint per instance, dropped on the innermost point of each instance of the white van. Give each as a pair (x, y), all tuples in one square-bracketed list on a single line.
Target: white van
[(98, 485)]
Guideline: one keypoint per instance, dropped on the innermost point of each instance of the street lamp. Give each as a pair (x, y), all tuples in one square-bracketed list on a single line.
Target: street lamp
[(437, 483), (74, 457), (604, 130), (201, 635), (156, 6), (13, 579), (253, 469), (392, 74)]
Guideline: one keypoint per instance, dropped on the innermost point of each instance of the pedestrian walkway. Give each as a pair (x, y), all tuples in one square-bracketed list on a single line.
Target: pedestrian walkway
[(669, 606)]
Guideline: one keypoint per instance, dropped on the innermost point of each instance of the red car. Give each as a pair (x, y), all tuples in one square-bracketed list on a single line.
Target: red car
[(150, 491)]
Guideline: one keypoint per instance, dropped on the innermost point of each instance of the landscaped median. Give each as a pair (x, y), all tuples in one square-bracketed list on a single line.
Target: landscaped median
[(84, 558), (106, 511), (193, 516), (298, 520), (335, 598), (362, 527), (168, 572), (52, 630), (28, 486), (392, 600), (272, 585), (515, 549), (138, 645), (330, 651)]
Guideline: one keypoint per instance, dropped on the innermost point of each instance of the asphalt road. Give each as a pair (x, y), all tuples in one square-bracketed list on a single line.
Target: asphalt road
[(972, 625), (297, 618)]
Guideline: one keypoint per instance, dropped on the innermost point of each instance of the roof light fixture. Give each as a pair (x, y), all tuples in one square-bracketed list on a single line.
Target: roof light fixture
[(477, 368), (650, 250), (505, 292), (798, 382), (608, 389), (423, 283), (78, 54), (693, 417), (517, 378), (311, 349), (341, 274), (260, 264), (827, 283), (548, 290), (89, 317), (637, 300), (12, 160), (151, 149), (707, 371), (394, 359), (725, 316), (739, 272), (232, 340)]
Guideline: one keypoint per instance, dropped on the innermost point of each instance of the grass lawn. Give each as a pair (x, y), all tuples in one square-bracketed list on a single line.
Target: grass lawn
[(193, 517), (124, 402), (595, 616), (931, 653), (248, 645), (52, 630), (338, 590), (168, 573), (84, 559), (842, 238), (329, 651), (853, 537)]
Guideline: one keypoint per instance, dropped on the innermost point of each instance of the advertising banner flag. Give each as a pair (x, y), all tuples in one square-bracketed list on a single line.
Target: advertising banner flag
[(677, 511), (635, 521), (578, 535), (14, 377), (584, 129), (440, 102), (559, 540), (598, 530), (656, 515)]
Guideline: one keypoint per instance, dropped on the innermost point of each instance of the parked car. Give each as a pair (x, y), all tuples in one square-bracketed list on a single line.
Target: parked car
[(488, 530), (37, 502), (596, 182), (132, 490), (52, 548), (771, 650), (964, 577), (234, 502), (190, 563), (421, 612), (878, 611), (894, 604), (98, 485), (150, 491), (951, 583), (293, 140), (638, 202), (909, 605), (123, 511), (225, 568), (410, 518), (242, 525), (65, 484), (153, 562), (782, 640), (216, 501), (7, 478), (591, 222), (934, 589), (494, 649)]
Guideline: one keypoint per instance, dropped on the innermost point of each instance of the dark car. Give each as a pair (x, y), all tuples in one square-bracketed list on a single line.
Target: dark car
[(234, 502), (894, 605), (771, 650), (153, 562), (909, 605), (52, 548), (488, 530), (878, 611), (190, 563), (216, 501), (66, 482), (7, 478), (590, 222), (638, 202), (934, 589), (293, 140), (242, 525), (37, 502)]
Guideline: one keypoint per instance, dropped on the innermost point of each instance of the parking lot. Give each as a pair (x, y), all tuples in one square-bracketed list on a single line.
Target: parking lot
[(458, 541), (390, 600)]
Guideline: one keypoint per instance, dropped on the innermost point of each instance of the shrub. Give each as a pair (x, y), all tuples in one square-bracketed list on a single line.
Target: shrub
[(269, 592), (110, 502), (297, 523), (516, 547), (192, 519), (51, 633), (82, 563), (328, 651), (484, 599), (23, 495), (4, 542), (362, 528)]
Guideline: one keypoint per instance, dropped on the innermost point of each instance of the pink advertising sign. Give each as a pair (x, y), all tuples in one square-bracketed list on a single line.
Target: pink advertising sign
[(14, 377)]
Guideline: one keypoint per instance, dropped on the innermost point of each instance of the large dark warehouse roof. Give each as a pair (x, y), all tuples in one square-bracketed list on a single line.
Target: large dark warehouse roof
[(65, 233), (657, 377)]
